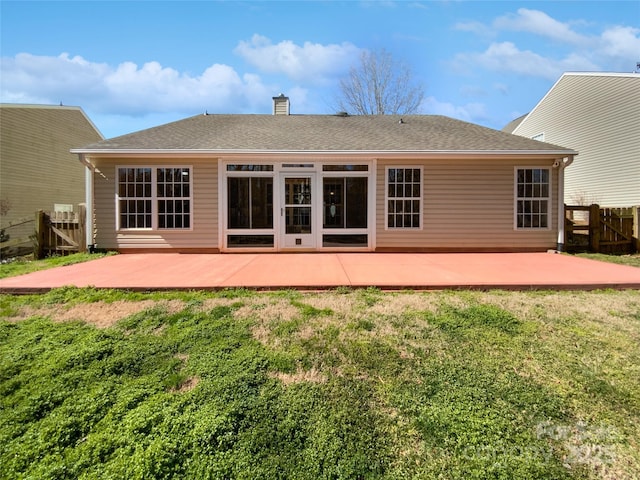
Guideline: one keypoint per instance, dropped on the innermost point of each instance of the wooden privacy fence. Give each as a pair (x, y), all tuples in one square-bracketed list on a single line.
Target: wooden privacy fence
[(53, 233), (601, 230), (12, 243)]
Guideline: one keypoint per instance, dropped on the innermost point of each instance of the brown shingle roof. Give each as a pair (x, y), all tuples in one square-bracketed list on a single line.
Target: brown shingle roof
[(512, 125), (321, 133)]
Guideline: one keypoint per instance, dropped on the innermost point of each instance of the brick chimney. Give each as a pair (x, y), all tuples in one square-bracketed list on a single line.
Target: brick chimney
[(281, 105)]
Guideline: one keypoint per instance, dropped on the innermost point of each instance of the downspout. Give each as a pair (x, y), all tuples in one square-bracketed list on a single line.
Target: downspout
[(88, 199), (561, 165)]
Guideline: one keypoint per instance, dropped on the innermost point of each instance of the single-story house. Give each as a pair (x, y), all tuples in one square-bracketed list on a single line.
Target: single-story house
[(597, 114), (283, 182), (37, 171)]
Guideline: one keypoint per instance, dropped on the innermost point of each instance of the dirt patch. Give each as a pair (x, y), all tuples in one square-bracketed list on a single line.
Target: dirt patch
[(311, 376), (186, 386), (99, 314)]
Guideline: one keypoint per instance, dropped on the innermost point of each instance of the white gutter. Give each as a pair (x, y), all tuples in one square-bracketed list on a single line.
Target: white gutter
[(376, 153), (562, 164)]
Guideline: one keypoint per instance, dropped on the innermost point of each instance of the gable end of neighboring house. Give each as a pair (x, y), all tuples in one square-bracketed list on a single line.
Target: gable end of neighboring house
[(318, 183), (37, 169), (598, 115)]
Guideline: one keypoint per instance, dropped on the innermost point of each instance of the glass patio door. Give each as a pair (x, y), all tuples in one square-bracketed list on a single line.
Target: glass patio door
[(297, 211)]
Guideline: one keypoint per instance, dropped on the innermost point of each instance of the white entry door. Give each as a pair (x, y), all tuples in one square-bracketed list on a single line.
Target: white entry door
[(297, 215)]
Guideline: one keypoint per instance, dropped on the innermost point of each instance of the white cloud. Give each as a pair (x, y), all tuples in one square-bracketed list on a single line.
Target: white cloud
[(613, 49), (621, 43), (506, 57), (475, 27), (128, 88), (471, 112), (539, 23), (310, 62)]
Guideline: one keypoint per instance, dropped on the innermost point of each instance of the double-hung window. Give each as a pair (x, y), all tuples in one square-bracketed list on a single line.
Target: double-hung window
[(404, 197), (533, 198), (154, 198)]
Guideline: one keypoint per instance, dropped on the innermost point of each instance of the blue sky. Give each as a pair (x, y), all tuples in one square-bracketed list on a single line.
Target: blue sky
[(136, 64)]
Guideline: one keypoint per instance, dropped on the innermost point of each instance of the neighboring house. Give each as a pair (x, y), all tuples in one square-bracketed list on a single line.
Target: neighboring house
[(281, 182), (37, 170), (597, 114)]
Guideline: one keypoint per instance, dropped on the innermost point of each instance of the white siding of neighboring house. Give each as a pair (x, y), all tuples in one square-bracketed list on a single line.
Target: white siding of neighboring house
[(468, 206), (599, 116), (204, 233)]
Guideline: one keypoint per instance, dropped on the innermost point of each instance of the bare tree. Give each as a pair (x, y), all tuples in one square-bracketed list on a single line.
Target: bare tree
[(380, 85)]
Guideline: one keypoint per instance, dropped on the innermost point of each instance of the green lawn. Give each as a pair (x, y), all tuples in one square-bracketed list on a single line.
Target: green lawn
[(24, 265), (631, 260), (335, 385)]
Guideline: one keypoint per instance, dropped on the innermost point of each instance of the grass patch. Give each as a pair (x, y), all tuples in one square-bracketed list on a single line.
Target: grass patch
[(24, 265), (630, 260), (352, 384)]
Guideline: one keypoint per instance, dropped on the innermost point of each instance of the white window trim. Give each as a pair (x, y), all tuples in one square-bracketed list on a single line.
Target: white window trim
[(386, 198), (154, 199), (516, 198)]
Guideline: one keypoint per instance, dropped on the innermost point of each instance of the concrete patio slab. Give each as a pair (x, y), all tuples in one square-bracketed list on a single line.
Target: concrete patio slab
[(312, 271)]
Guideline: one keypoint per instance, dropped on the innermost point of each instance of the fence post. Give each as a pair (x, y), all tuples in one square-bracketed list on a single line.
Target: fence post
[(38, 246), (594, 228), (82, 222)]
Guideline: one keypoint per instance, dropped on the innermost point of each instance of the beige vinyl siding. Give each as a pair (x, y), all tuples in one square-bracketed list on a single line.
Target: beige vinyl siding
[(36, 168), (599, 116), (204, 231), (467, 205)]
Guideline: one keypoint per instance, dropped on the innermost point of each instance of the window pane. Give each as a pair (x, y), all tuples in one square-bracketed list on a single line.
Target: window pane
[(544, 221), (408, 175), (298, 220), (333, 240), (238, 202), (239, 241), (345, 168), (356, 199), (249, 168), (333, 201), (392, 175), (528, 176), (261, 202)]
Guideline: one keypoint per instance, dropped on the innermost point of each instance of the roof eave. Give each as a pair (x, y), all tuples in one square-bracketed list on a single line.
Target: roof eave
[(371, 153)]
